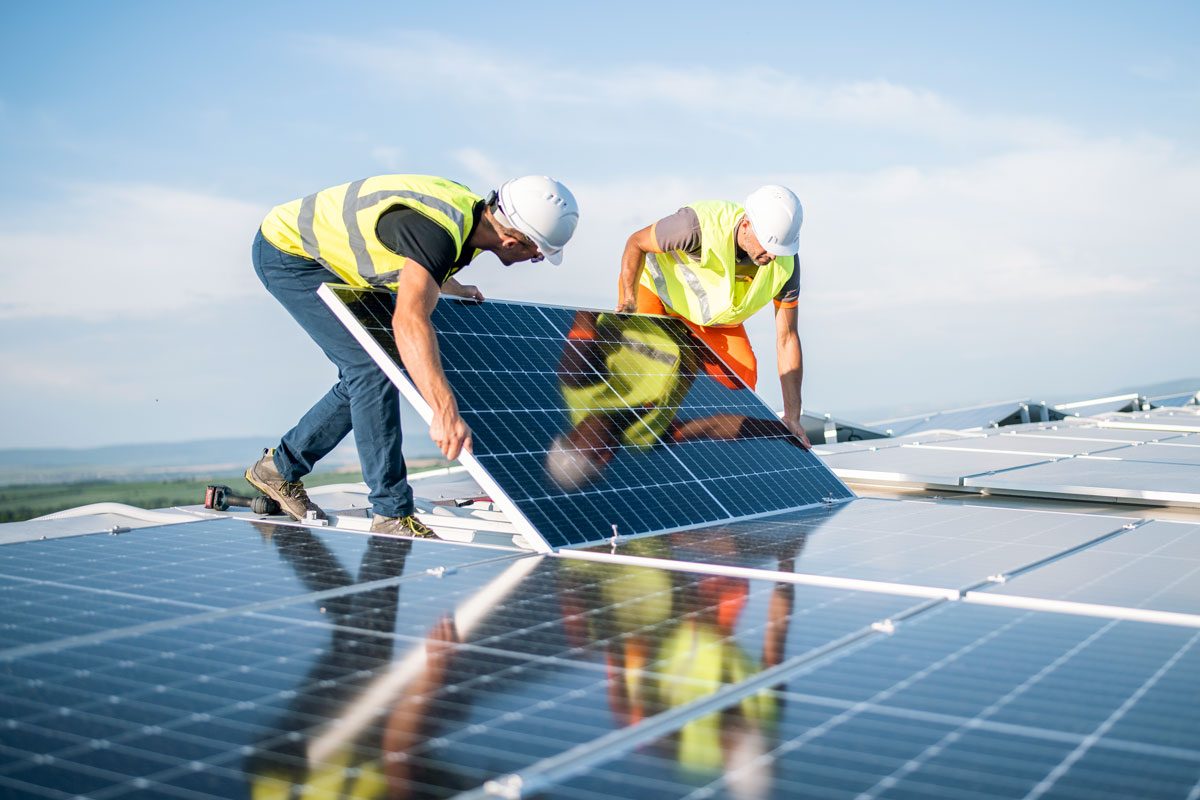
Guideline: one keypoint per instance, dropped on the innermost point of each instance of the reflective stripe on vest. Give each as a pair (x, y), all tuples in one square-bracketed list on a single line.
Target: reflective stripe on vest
[(336, 226), (706, 290)]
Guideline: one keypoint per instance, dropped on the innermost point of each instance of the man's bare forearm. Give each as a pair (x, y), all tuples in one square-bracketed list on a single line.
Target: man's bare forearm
[(633, 260), (417, 344), (791, 374)]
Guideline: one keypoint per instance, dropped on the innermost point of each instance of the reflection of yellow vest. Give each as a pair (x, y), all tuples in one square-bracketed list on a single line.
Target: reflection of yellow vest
[(335, 779), (697, 661), (642, 368), (337, 226), (707, 290)]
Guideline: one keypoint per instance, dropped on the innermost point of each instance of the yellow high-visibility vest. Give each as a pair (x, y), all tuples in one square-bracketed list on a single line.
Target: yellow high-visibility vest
[(643, 372), (336, 226), (706, 290)]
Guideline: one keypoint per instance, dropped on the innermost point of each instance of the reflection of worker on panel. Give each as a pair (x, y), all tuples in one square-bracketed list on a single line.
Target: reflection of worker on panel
[(671, 639), (361, 644), (623, 381), (370, 699)]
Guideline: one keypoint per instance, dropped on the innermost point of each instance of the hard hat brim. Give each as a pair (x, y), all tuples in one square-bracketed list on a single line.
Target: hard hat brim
[(783, 250), (554, 258)]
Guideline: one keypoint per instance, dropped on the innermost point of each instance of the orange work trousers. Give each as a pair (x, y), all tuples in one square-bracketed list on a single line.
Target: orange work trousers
[(730, 343)]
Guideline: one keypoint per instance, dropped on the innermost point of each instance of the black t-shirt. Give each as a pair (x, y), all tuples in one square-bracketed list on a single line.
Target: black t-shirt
[(409, 233)]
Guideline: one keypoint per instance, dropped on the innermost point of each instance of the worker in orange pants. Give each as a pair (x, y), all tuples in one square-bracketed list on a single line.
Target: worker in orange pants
[(715, 263)]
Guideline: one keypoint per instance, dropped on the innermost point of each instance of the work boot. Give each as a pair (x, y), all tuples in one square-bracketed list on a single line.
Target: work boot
[(401, 526), (289, 494)]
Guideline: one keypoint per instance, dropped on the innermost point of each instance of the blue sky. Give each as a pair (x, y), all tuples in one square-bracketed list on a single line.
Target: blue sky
[(1000, 199)]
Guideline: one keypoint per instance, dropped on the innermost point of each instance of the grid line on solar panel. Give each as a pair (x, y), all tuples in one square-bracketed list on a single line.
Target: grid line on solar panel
[(67, 623), (1022, 690), (951, 546), (596, 419), (170, 664), (1154, 565)]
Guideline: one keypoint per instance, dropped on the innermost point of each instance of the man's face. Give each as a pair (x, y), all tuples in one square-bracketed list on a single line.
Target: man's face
[(749, 242), (516, 247)]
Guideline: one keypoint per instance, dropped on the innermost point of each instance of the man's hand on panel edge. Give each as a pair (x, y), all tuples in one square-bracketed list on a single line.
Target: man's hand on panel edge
[(451, 433), (796, 428)]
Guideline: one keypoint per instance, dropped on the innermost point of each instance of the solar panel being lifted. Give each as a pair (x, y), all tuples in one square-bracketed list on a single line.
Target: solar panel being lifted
[(587, 422)]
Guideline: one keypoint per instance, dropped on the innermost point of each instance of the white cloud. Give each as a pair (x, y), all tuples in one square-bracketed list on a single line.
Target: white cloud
[(629, 100), (482, 167), (104, 251)]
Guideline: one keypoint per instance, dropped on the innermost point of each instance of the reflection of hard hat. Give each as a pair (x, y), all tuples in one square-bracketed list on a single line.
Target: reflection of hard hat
[(776, 215), (569, 467), (542, 209)]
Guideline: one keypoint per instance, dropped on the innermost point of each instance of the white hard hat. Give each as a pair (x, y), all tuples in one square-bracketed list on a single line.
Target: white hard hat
[(776, 215), (569, 467), (542, 209)]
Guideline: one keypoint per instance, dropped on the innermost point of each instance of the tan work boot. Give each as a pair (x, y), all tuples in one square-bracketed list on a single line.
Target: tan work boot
[(289, 494), (401, 526)]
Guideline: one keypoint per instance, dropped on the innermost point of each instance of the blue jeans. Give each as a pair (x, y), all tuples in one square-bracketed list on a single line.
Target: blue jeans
[(363, 399)]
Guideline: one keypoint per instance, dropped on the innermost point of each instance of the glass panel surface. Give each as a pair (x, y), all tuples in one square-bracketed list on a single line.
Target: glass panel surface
[(1174, 452), (960, 702), (95, 584), (1154, 566), (953, 419), (1034, 445), (932, 544), (1099, 477), (913, 464), (379, 674), (588, 420)]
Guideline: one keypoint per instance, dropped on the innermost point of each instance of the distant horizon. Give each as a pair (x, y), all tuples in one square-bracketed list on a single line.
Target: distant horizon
[(418, 430)]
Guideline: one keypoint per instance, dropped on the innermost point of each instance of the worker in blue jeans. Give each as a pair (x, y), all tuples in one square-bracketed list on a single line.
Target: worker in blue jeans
[(411, 234)]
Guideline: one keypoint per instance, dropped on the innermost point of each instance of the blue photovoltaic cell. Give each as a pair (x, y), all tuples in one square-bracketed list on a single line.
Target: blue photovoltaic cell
[(588, 420), (356, 662), (962, 702)]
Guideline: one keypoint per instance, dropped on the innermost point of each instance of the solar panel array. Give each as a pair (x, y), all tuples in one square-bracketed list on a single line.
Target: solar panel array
[(812, 653), (985, 416), (587, 422), (1146, 458)]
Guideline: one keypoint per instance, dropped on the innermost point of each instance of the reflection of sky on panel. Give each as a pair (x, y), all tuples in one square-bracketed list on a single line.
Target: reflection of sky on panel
[(944, 545), (954, 419), (1081, 429), (590, 420), (1025, 443), (464, 675), (925, 464), (1097, 476), (170, 572), (963, 701), (1173, 452), (1154, 566)]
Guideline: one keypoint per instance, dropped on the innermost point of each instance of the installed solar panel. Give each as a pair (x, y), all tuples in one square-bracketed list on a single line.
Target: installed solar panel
[(1176, 452), (1102, 478), (584, 420), (920, 465), (1154, 566), (1183, 420), (961, 702), (356, 663), (959, 419), (927, 544)]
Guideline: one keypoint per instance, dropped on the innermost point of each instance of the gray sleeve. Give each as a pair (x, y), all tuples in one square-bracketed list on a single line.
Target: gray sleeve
[(789, 294), (680, 231)]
